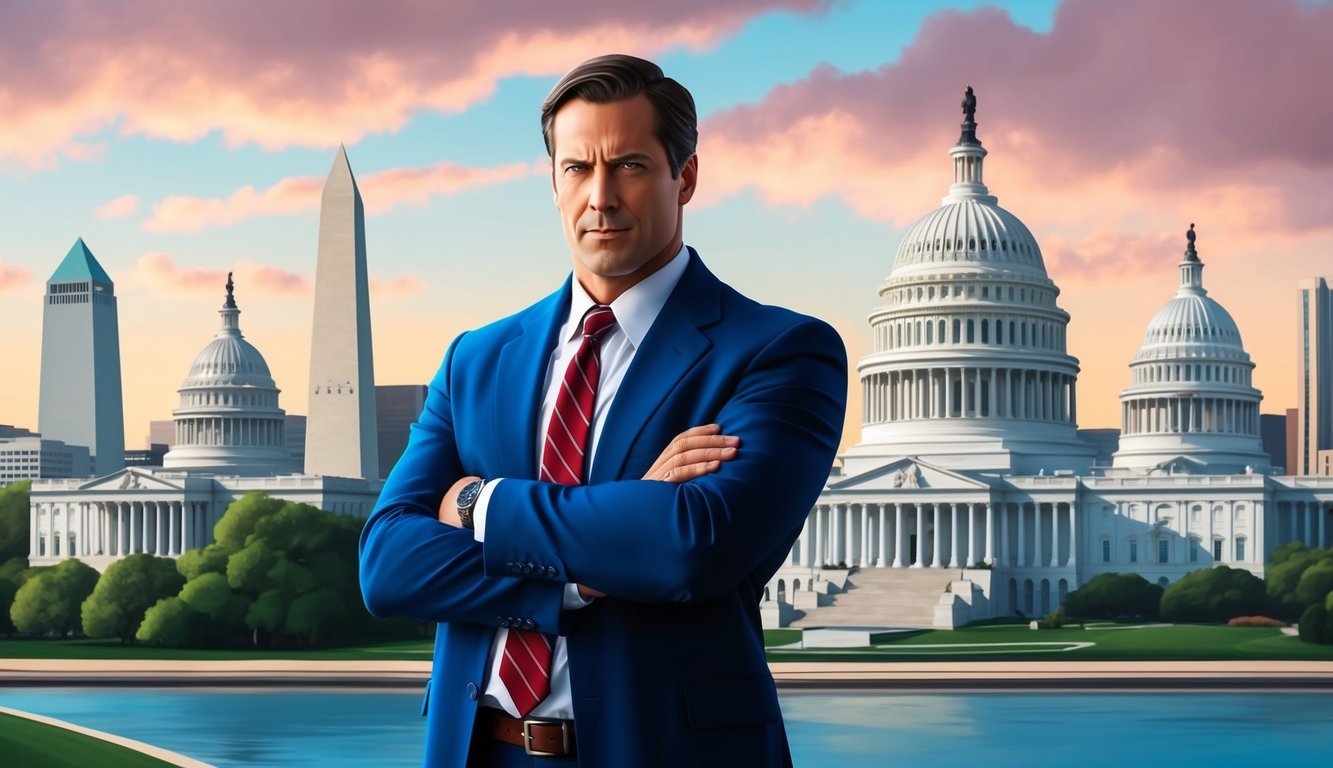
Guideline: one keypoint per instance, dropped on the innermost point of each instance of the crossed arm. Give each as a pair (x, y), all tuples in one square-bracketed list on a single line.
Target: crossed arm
[(693, 453)]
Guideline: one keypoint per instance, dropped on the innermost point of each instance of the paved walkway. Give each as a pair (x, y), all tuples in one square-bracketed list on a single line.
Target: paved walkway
[(789, 675)]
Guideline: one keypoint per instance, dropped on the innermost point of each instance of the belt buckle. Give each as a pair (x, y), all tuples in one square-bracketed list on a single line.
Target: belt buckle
[(527, 735)]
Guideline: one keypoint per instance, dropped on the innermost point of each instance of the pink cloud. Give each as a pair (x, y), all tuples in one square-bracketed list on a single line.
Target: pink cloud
[(119, 208), (381, 191), (304, 72), (396, 287), (159, 273), (13, 277), (1132, 116)]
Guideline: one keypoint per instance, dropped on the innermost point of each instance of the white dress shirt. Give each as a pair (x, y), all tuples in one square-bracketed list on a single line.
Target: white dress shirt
[(635, 311)]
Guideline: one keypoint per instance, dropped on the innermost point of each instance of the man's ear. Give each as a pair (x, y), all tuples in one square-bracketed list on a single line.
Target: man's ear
[(689, 176)]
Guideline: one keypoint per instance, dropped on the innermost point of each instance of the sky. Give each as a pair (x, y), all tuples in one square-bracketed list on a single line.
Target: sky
[(183, 141)]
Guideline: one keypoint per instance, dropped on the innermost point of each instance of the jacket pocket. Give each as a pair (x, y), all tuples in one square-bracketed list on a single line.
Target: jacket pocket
[(425, 700), (732, 702)]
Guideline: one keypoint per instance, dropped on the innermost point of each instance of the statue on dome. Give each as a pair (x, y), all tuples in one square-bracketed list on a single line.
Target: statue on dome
[(969, 105), (1190, 237), (231, 298)]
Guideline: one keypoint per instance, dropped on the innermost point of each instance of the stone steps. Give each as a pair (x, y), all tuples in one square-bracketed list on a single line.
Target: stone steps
[(883, 597)]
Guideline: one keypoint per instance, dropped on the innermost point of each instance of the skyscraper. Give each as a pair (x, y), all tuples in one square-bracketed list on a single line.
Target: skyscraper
[(342, 435), (1314, 377), (80, 402)]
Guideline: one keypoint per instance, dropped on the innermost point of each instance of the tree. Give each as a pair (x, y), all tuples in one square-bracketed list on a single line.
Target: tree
[(1283, 576), (167, 622), (1113, 596), (309, 612), (8, 590), (210, 559), (240, 519), (125, 592), (13, 569), (14, 520), (48, 602), (1215, 595), (1316, 582)]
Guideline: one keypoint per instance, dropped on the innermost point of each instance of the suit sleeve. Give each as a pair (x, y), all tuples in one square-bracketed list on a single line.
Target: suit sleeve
[(412, 564), (665, 542)]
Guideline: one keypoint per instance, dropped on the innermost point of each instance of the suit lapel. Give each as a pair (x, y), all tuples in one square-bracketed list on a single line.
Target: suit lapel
[(519, 376), (673, 345)]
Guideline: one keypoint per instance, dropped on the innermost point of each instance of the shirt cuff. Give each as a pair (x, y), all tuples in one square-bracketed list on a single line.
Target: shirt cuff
[(479, 510), (573, 600)]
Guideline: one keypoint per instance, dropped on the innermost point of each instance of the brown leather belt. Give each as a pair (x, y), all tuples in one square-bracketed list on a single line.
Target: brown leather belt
[(537, 736)]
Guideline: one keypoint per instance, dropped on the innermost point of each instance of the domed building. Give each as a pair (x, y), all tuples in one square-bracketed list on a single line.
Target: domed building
[(972, 494), (1191, 405), (229, 421), (969, 367)]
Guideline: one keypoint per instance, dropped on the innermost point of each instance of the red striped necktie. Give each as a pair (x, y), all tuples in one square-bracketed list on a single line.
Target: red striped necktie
[(525, 669)]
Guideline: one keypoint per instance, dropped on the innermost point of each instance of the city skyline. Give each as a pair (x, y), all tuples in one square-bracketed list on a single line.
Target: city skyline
[(825, 132)]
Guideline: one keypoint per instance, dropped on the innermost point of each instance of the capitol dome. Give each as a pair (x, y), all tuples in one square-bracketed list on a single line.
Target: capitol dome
[(969, 367), (229, 421), (1191, 392)]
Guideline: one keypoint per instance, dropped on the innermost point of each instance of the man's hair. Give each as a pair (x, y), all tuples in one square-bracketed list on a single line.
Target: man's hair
[(617, 77)]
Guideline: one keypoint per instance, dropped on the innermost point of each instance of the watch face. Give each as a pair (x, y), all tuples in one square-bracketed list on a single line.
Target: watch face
[(468, 496)]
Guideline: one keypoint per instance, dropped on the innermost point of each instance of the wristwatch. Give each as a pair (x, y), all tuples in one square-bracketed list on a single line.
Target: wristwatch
[(467, 499)]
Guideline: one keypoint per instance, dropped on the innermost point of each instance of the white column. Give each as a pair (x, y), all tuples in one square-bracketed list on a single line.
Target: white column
[(898, 535), (1073, 535), (187, 525), (1231, 532), (937, 531), (971, 527), (865, 535), (173, 530), (954, 557), (1309, 524), (1022, 535), (1208, 509), (34, 520), (988, 508), (883, 559), (1258, 531), (1055, 534), (920, 536)]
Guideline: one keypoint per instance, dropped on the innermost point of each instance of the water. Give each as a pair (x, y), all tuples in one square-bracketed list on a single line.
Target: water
[(334, 728)]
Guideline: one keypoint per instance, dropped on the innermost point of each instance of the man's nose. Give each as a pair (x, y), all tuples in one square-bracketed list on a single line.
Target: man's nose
[(604, 195)]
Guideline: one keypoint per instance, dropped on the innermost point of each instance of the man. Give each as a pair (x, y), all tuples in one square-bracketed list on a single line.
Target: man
[(597, 582)]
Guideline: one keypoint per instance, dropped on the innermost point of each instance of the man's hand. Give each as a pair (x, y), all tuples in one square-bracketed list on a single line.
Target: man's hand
[(696, 452), (448, 513)]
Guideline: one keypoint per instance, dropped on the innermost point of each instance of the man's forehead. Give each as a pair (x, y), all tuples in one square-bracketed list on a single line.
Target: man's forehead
[(629, 122)]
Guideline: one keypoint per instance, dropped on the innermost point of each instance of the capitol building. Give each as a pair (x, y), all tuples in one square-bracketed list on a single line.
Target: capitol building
[(972, 494)]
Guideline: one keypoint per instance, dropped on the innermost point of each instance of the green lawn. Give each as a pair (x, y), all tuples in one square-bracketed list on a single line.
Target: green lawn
[(27, 743), (1096, 643), (397, 650)]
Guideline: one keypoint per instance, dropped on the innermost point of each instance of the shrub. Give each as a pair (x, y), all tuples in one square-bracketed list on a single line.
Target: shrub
[(1053, 620), (1114, 596), (1215, 594), (1255, 621), (1313, 626)]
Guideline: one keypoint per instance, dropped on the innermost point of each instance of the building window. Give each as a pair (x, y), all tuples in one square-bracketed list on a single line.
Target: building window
[(1240, 550), (1163, 550), (1194, 550), (1133, 551), (1106, 550), (1217, 550)]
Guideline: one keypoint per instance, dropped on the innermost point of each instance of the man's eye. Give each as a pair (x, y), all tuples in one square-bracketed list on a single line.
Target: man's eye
[(575, 168), (631, 166)]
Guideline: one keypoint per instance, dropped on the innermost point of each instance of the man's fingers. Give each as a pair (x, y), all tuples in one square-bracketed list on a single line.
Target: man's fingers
[(690, 471)]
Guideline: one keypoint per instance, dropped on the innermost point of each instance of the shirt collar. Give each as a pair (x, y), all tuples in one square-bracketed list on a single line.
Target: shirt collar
[(636, 308)]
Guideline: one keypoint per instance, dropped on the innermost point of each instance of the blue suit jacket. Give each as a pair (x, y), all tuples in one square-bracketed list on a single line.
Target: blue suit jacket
[(668, 669)]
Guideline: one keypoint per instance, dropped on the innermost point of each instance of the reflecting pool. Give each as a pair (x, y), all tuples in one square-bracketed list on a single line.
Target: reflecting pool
[(341, 727)]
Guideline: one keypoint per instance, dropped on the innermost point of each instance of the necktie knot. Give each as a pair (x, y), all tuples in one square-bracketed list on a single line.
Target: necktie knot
[(598, 322)]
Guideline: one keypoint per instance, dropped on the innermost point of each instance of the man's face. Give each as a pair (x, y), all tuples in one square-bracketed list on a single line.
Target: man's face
[(619, 206)]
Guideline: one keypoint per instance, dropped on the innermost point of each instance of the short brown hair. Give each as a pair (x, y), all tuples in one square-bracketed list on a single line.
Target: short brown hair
[(617, 77)]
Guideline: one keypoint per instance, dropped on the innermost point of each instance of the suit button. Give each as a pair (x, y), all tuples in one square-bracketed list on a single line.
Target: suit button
[(472, 691), (502, 621), (515, 568), (529, 624), (550, 570), (527, 567)]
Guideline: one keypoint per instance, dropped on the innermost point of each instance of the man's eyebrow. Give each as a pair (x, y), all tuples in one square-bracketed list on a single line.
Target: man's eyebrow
[(636, 157)]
